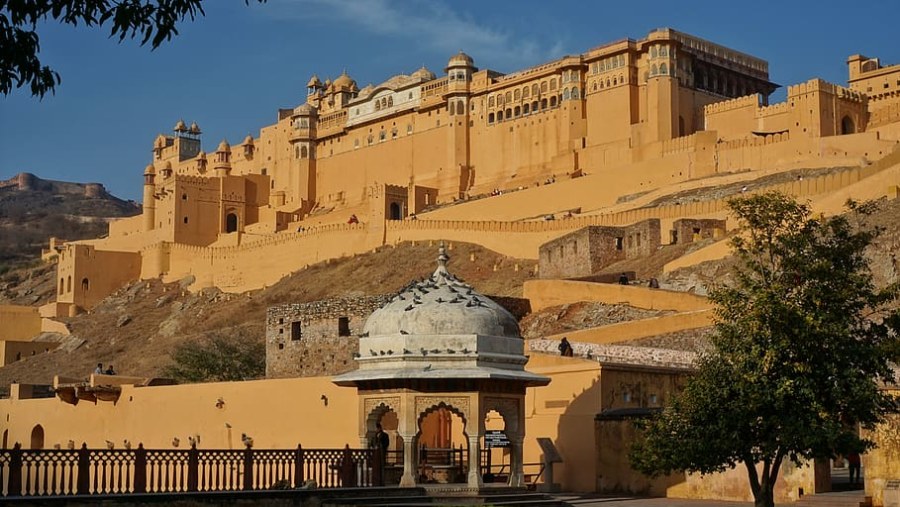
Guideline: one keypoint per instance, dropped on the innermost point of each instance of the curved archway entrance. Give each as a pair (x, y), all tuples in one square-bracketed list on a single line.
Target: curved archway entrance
[(37, 437), (231, 222), (847, 126), (395, 211), (443, 446)]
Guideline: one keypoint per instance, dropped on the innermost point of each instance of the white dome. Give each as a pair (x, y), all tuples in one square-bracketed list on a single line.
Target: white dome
[(441, 305)]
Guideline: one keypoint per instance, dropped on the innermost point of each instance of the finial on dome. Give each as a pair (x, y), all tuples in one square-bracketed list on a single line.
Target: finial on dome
[(442, 256)]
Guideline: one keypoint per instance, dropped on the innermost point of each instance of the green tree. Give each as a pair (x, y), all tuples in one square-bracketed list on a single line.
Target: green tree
[(220, 356), (151, 21), (802, 340)]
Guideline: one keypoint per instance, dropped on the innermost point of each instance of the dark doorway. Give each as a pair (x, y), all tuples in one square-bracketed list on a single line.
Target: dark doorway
[(37, 437), (395, 211), (847, 126), (231, 222)]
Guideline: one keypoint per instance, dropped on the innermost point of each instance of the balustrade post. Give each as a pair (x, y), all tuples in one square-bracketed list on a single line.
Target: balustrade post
[(193, 472), (347, 468), (15, 470), (378, 459), (298, 467), (83, 481), (248, 468), (140, 469)]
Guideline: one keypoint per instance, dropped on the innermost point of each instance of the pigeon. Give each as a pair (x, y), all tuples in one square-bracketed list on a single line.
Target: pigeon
[(424, 352), (355, 355), (390, 352), (364, 335), (435, 351), (403, 332), (465, 351), (372, 352), (456, 299), (408, 308), (451, 351), (406, 351), (427, 367), (439, 300), (381, 352)]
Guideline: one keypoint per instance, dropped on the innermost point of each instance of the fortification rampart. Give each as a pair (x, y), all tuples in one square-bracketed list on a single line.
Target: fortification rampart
[(750, 101), (820, 86)]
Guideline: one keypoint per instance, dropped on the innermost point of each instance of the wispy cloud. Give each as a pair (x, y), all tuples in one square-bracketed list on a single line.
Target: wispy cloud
[(430, 24)]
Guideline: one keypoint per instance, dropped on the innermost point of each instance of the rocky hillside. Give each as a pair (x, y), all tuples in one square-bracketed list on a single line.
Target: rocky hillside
[(137, 327), (32, 210)]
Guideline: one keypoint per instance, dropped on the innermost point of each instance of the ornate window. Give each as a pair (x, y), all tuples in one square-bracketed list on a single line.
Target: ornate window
[(552, 84), (544, 87), (517, 95), (491, 101)]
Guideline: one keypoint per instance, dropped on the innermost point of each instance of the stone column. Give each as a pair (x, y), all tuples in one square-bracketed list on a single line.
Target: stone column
[(474, 480), (408, 480), (517, 472)]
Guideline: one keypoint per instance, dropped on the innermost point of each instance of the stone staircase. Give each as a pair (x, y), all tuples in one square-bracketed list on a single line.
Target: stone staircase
[(854, 498)]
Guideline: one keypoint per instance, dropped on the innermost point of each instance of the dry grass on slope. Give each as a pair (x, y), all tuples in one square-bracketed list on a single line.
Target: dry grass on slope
[(160, 316)]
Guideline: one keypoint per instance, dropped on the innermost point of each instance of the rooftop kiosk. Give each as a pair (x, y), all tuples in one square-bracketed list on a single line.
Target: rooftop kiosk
[(438, 344)]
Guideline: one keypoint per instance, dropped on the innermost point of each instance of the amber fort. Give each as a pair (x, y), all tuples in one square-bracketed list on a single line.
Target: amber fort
[(574, 164)]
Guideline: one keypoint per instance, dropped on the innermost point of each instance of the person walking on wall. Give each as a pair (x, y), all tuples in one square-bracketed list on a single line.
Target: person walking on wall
[(565, 348), (99, 369), (623, 279), (855, 464)]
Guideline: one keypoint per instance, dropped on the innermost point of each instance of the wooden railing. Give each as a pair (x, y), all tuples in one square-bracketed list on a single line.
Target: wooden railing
[(59, 472)]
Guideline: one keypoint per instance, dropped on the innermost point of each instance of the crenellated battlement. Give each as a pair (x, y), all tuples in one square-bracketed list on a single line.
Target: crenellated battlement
[(749, 101), (821, 86)]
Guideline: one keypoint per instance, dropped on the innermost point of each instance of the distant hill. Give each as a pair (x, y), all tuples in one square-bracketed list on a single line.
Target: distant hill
[(33, 209)]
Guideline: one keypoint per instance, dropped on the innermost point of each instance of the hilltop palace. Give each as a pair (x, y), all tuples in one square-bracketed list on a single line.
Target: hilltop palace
[(577, 163), (623, 118)]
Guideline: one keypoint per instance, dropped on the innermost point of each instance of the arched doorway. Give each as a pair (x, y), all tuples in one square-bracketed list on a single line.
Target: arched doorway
[(496, 448), (847, 126), (85, 285), (231, 222), (37, 437), (395, 211), (442, 445), (390, 424)]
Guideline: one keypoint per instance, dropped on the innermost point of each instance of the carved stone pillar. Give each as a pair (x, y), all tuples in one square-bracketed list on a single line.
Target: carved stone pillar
[(408, 480), (517, 470), (474, 480)]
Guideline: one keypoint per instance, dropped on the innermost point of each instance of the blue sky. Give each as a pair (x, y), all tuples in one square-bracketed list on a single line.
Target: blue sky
[(233, 69)]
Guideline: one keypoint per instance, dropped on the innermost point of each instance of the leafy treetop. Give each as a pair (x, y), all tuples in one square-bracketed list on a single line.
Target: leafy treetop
[(151, 21)]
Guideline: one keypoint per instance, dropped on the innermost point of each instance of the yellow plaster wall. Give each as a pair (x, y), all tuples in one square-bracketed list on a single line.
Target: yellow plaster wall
[(882, 464), (546, 293), (275, 413), (12, 351), (19, 323)]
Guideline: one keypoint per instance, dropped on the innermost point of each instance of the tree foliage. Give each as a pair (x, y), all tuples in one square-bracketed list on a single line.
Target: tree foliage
[(149, 21), (218, 357), (803, 339)]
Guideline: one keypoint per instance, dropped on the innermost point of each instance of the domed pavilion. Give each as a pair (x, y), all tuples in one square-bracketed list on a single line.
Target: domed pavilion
[(439, 345)]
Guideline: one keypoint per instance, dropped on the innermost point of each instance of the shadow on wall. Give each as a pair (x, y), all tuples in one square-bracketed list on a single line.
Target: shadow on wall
[(595, 453)]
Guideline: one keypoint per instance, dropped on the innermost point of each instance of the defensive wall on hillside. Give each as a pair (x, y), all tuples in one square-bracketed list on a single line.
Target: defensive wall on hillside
[(275, 256)]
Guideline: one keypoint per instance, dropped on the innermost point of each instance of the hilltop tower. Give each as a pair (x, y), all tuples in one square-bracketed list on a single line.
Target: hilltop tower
[(149, 197), (459, 78)]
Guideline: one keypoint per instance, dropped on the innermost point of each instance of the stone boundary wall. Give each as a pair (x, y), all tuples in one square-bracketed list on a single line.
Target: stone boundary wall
[(277, 256), (621, 354), (320, 347)]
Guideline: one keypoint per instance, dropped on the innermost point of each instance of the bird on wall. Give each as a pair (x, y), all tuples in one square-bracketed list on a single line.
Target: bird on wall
[(110, 445), (324, 399), (127, 443), (247, 440), (176, 442), (406, 351), (403, 332), (427, 367)]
